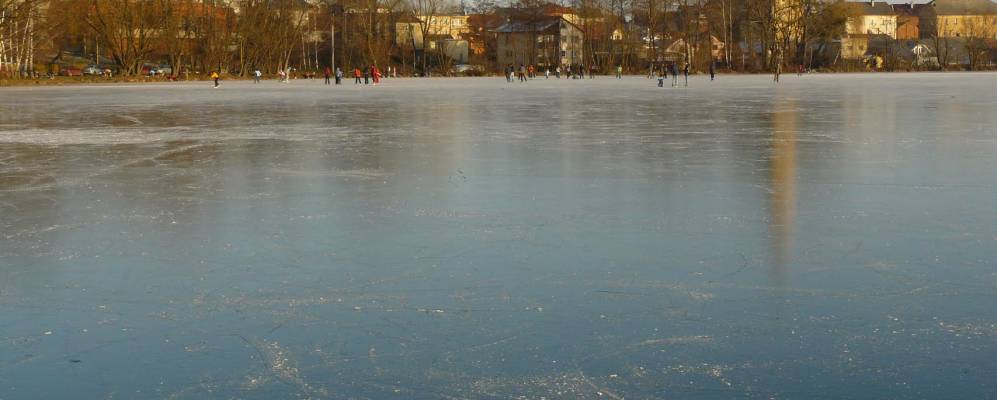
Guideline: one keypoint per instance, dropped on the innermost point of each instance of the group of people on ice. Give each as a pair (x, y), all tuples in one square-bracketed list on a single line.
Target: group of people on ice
[(369, 73), (365, 76), (662, 71), (527, 72)]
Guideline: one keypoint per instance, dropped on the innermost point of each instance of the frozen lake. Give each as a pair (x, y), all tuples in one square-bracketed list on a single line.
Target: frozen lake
[(826, 237)]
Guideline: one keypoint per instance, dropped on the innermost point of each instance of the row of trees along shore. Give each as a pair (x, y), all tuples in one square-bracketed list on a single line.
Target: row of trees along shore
[(238, 36)]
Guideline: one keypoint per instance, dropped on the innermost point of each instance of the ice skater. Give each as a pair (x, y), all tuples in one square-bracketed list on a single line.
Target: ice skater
[(214, 75), (675, 74), (327, 72), (366, 76), (339, 76), (685, 72), (713, 70), (376, 74), (522, 73), (256, 75), (619, 71), (356, 76)]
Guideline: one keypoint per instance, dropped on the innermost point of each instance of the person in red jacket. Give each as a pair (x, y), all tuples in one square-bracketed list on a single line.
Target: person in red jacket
[(376, 74), (328, 74), (357, 74)]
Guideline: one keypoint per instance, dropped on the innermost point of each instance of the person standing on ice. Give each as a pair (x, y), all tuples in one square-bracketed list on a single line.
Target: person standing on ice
[(339, 76), (256, 75), (685, 71), (214, 75), (328, 74), (356, 76), (376, 73), (713, 69), (619, 71), (675, 74), (366, 76)]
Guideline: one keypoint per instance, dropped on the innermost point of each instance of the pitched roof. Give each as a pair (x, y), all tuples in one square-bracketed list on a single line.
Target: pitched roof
[(873, 8), (964, 7), (530, 25)]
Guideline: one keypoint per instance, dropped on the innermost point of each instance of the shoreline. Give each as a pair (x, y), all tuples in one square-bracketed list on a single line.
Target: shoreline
[(125, 81)]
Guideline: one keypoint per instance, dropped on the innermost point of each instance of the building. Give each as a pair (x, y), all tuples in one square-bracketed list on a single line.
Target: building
[(854, 47), (908, 21), (481, 39), (445, 35), (872, 18), (959, 18), (545, 10), (541, 41), (409, 31)]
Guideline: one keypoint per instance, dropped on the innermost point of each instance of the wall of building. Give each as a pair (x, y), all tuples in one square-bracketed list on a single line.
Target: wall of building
[(908, 27), (571, 44), (872, 25), (854, 48), (564, 47), (981, 26), (514, 48)]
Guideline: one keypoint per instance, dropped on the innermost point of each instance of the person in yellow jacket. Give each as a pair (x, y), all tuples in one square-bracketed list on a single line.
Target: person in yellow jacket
[(214, 75)]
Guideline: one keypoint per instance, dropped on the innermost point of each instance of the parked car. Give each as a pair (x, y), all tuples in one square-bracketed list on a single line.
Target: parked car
[(459, 68), (70, 71), (150, 70), (165, 69), (92, 70)]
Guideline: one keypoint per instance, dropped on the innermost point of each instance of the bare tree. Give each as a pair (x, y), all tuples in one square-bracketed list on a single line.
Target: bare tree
[(427, 12), (19, 22)]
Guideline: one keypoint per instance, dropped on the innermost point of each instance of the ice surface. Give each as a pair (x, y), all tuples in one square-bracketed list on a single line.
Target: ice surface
[(832, 236)]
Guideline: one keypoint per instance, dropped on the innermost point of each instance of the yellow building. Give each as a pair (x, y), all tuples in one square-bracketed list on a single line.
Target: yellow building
[(454, 26), (960, 18), (872, 18), (410, 32)]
